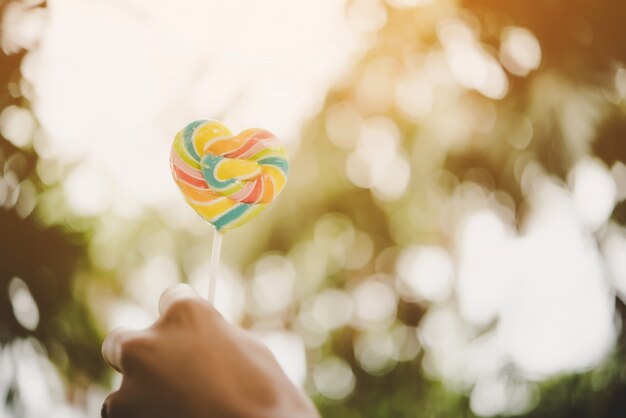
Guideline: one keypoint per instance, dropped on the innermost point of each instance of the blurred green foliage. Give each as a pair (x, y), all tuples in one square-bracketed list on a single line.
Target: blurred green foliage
[(46, 257)]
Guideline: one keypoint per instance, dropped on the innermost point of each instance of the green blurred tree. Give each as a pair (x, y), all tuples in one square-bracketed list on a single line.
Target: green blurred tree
[(44, 257)]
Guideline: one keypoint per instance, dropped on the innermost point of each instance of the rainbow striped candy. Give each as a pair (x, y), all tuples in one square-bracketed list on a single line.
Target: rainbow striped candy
[(228, 179)]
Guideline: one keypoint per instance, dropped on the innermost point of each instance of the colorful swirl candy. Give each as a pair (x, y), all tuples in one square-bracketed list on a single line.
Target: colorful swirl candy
[(228, 179)]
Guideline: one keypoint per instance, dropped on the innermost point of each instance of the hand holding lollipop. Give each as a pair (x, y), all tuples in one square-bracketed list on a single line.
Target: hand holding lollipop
[(191, 362)]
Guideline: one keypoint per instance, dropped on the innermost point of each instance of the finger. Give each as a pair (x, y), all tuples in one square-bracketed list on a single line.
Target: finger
[(175, 293), (112, 347), (116, 405)]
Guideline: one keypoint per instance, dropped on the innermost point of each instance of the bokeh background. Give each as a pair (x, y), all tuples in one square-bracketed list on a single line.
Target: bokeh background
[(452, 242)]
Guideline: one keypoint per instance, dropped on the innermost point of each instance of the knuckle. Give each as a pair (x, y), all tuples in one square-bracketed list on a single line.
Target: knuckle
[(184, 310), (115, 406), (256, 343), (135, 352)]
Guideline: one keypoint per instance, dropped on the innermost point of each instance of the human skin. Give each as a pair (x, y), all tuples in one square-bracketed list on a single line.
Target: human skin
[(191, 363)]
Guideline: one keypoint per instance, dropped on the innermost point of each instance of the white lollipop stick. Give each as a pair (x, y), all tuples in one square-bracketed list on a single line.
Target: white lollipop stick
[(215, 265)]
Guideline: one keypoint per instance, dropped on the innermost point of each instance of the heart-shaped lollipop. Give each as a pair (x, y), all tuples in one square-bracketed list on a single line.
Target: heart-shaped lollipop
[(228, 179)]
